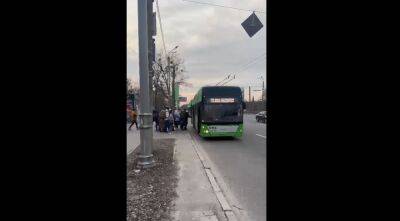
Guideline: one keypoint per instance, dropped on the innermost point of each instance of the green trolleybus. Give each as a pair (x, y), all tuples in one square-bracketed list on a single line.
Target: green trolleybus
[(217, 111)]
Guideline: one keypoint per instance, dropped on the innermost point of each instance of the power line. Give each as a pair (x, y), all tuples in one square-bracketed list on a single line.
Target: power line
[(227, 77), (255, 60), (228, 81), (221, 81), (247, 65), (162, 33), (223, 6)]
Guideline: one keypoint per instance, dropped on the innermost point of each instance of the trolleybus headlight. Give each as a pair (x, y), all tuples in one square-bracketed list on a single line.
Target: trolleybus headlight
[(206, 131)]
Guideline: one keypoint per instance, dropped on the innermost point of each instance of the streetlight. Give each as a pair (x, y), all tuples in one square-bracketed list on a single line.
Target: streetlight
[(169, 74)]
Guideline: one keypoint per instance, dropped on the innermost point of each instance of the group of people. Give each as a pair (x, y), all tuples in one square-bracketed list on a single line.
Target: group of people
[(168, 120), (165, 120)]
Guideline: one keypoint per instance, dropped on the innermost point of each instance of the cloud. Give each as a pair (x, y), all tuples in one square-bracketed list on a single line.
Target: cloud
[(211, 40)]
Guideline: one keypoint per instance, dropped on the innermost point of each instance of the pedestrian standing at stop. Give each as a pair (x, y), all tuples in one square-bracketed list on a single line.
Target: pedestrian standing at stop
[(156, 118), (184, 119), (134, 119), (167, 120), (162, 121), (170, 120), (176, 118)]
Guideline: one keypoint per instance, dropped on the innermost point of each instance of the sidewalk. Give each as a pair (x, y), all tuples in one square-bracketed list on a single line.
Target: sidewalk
[(196, 199), (132, 138)]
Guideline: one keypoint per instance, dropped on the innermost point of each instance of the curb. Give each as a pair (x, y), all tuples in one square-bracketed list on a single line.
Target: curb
[(216, 189), (133, 149)]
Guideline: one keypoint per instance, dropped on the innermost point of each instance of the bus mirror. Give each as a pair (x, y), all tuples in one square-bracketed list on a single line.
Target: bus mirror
[(244, 105)]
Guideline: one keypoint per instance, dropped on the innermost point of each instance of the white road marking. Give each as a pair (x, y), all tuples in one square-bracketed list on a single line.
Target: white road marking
[(261, 136)]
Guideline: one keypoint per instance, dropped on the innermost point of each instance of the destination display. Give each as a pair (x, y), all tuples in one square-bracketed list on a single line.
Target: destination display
[(222, 100)]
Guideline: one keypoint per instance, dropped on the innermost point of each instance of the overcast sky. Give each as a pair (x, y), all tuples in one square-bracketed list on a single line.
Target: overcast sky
[(211, 41)]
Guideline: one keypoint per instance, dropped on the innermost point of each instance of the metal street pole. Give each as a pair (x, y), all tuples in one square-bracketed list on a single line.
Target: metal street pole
[(146, 128), (151, 30)]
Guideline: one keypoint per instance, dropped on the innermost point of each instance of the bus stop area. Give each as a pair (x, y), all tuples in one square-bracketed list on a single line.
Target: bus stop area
[(198, 194)]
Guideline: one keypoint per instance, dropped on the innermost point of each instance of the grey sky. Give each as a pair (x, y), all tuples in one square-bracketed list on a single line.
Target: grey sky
[(211, 41)]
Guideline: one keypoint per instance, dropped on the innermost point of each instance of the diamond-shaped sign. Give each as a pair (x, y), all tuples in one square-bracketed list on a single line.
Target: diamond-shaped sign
[(252, 25)]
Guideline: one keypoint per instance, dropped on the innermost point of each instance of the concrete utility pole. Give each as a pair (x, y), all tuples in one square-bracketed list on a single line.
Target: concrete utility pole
[(249, 94), (262, 90), (262, 95), (145, 117)]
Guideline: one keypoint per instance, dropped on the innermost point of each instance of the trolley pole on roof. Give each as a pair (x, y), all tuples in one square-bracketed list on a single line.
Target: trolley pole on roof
[(146, 122)]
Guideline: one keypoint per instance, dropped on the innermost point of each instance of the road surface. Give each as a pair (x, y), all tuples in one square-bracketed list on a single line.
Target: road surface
[(242, 163)]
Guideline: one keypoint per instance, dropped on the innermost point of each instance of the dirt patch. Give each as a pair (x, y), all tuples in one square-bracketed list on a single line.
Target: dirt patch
[(151, 192)]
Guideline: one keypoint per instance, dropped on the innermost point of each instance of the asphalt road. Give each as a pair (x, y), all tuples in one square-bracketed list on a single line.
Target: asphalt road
[(243, 163)]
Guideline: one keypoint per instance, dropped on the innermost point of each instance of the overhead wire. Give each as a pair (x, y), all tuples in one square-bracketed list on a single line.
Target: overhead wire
[(223, 6), (226, 78), (161, 29), (247, 65), (229, 80), (255, 60)]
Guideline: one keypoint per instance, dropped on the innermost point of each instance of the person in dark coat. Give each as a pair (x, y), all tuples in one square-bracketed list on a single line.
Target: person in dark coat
[(184, 119), (156, 118), (170, 122), (162, 119), (177, 118)]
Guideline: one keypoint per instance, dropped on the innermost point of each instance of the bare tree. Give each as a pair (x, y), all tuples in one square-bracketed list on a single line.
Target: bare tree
[(128, 86), (166, 74), (131, 87)]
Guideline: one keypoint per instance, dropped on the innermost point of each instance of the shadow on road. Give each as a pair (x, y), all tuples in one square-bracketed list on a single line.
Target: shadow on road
[(218, 138)]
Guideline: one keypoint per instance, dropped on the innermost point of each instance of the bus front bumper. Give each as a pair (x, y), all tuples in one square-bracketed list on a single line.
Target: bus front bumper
[(234, 130)]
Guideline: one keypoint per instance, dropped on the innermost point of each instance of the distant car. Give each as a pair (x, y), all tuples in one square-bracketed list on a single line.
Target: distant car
[(261, 117)]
